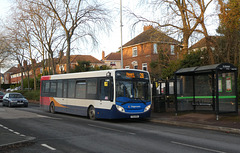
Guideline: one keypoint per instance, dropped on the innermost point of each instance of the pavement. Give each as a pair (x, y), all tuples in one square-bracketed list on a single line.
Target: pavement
[(201, 120), (12, 139)]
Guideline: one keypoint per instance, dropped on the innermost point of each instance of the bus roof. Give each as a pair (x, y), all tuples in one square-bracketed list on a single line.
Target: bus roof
[(101, 73)]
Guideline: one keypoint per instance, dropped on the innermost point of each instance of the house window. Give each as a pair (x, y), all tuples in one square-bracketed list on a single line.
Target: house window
[(61, 68), (155, 49), (41, 70), (134, 51), (112, 63), (172, 50), (127, 67), (144, 66)]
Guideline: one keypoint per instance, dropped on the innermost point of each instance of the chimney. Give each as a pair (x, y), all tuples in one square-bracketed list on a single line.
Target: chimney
[(103, 55), (145, 28)]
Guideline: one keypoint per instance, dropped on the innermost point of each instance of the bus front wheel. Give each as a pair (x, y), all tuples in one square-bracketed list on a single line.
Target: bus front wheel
[(91, 113), (52, 108)]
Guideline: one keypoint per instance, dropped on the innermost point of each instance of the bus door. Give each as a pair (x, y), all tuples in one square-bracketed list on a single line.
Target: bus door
[(106, 90)]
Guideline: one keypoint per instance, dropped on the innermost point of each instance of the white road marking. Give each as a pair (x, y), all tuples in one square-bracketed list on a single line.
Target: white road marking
[(106, 128), (43, 116), (10, 130), (16, 133), (197, 147), (47, 146)]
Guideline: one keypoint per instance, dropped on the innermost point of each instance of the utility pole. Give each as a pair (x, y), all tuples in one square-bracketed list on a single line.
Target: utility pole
[(121, 33)]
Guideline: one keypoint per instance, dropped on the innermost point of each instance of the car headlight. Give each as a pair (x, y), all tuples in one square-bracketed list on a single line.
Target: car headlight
[(120, 108), (147, 108)]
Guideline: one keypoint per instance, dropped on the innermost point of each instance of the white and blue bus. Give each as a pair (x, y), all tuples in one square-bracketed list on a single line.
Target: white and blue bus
[(108, 94)]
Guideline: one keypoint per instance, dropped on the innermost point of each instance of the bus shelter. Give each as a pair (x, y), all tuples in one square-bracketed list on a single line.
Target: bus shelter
[(211, 87), (163, 95)]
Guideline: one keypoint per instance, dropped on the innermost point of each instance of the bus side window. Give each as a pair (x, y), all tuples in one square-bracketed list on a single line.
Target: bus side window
[(81, 89), (47, 87), (71, 88), (59, 89), (105, 89), (65, 89)]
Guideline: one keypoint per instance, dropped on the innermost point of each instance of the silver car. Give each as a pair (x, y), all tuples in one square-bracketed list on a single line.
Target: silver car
[(14, 99)]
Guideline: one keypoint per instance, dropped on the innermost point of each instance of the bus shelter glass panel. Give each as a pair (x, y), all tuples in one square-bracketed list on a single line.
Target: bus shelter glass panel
[(163, 88), (171, 88), (184, 93), (227, 92), (204, 91)]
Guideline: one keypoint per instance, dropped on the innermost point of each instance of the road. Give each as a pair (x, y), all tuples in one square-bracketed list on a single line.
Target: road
[(74, 134)]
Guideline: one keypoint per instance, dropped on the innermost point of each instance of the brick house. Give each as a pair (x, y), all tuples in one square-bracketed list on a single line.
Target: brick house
[(202, 44), (13, 75), (112, 60), (139, 52), (8, 73), (61, 66)]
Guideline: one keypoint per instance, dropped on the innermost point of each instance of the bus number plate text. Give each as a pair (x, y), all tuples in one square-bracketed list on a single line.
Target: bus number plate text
[(134, 116)]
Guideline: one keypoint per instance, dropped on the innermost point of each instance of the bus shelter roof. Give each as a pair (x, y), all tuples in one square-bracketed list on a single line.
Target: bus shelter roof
[(206, 69)]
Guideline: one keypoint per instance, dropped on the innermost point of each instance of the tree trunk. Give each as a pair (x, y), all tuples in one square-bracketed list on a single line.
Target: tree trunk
[(35, 82), (184, 46), (53, 63), (28, 80), (68, 54), (21, 78)]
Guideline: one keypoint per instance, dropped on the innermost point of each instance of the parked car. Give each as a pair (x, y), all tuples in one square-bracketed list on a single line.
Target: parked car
[(9, 89), (1, 96), (17, 88), (14, 99)]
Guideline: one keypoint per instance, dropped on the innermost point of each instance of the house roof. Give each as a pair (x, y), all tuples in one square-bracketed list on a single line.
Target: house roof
[(75, 58), (202, 43), (113, 56), (151, 35), (12, 70)]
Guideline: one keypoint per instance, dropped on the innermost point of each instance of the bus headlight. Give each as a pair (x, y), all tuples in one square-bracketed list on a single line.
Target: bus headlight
[(120, 108), (147, 108)]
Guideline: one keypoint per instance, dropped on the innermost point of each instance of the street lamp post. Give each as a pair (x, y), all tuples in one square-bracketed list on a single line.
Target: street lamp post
[(121, 33)]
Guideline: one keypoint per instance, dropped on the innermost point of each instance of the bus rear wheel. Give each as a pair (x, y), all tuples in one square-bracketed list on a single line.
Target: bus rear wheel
[(91, 113), (52, 108)]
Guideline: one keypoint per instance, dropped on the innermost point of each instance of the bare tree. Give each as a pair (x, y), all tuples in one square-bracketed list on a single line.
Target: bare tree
[(181, 16), (4, 52), (80, 19), (45, 27), (16, 47)]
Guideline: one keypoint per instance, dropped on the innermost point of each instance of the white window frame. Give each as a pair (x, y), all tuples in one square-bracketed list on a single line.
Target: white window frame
[(127, 67), (135, 67), (144, 65), (172, 49), (155, 51), (134, 52)]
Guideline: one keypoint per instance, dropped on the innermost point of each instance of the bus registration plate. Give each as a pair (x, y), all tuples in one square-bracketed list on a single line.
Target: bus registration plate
[(134, 116)]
